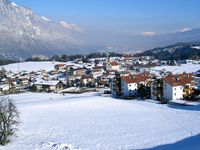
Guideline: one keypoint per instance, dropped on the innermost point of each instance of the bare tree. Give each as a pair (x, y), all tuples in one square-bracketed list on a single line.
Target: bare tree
[(9, 119)]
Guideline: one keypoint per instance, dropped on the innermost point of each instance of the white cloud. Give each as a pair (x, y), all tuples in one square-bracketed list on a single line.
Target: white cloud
[(148, 33), (185, 29), (71, 26)]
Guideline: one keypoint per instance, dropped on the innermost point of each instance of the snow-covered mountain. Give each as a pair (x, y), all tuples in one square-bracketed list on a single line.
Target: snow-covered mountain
[(23, 33)]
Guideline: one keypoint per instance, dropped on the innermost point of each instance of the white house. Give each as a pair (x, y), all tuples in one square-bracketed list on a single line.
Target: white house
[(175, 87), (172, 92), (24, 81), (52, 85), (130, 84)]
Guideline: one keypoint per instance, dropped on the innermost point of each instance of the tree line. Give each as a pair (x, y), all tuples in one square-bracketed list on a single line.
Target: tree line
[(65, 58)]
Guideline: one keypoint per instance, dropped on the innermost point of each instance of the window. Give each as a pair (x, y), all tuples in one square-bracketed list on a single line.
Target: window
[(174, 94), (174, 88), (181, 88)]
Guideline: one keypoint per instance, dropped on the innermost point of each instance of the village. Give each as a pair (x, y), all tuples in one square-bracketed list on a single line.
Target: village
[(124, 77)]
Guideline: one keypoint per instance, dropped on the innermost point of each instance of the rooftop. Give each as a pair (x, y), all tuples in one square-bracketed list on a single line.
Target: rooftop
[(179, 79)]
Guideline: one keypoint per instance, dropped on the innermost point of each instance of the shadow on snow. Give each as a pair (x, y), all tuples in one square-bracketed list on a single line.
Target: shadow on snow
[(190, 143)]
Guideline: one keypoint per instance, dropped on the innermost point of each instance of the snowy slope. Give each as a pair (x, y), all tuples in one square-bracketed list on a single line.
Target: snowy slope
[(36, 66), (48, 65), (92, 122), (188, 68), (31, 66)]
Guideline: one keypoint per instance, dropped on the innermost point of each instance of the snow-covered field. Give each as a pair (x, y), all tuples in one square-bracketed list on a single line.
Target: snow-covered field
[(31, 66), (35, 66), (91, 122), (48, 66), (188, 68)]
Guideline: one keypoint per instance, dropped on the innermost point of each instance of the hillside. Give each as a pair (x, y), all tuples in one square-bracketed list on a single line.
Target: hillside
[(177, 51)]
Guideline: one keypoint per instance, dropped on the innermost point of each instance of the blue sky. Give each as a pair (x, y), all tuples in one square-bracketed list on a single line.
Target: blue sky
[(123, 16)]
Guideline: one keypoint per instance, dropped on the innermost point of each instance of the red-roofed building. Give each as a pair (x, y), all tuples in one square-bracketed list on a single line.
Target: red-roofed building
[(129, 84), (176, 87), (113, 66)]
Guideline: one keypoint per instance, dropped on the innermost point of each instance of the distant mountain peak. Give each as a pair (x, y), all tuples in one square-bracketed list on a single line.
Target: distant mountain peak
[(24, 33)]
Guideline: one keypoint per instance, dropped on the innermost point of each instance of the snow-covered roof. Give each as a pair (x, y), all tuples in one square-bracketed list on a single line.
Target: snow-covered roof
[(3, 86), (50, 83)]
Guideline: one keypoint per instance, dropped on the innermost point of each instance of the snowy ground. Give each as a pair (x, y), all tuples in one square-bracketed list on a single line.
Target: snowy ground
[(35, 66), (31, 66), (48, 66), (188, 68), (91, 122)]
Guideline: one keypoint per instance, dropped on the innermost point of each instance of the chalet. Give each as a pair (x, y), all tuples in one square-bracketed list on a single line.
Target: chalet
[(79, 71), (4, 88), (49, 86), (78, 61), (24, 81), (97, 73), (59, 66), (74, 80), (103, 83), (87, 81), (12, 81), (178, 86), (113, 66)]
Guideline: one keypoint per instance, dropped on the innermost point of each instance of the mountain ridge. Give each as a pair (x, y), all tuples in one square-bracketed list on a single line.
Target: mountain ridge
[(176, 51), (23, 33)]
